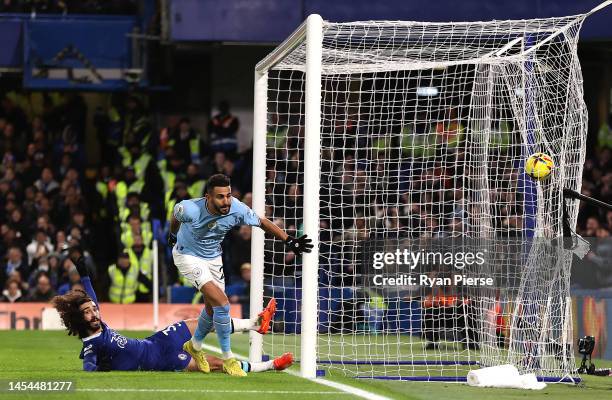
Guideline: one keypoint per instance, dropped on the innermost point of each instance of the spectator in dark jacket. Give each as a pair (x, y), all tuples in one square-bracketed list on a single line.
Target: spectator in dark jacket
[(186, 142), (14, 263), (222, 130), (240, 248), (43, 292), (46, 183)]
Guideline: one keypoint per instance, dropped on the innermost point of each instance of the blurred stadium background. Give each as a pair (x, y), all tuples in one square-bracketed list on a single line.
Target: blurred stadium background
[(112, 111)]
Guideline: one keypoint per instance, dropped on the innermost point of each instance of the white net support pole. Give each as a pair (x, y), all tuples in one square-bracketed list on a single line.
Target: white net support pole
[(599, 7), (155, 286), (312, 149), (259, 200)]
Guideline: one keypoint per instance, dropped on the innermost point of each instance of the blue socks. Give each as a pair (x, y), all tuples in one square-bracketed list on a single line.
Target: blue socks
[(223, 326), (205, 325), (222, 322)]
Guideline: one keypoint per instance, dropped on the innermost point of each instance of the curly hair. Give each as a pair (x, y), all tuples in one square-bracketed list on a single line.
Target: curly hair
[(68, 307)]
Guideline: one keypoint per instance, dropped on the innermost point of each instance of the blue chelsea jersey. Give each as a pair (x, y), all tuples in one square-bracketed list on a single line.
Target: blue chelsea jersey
[(201, 233), (125, 354)]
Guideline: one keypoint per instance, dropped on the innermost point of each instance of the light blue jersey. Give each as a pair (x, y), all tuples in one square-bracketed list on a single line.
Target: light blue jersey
[(201, 233)]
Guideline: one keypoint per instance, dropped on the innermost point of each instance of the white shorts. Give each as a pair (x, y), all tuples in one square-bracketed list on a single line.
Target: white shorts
[(199, 271)]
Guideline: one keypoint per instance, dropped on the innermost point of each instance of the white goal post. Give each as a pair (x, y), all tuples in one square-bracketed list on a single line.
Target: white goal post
[(379, 135), (313, 29)]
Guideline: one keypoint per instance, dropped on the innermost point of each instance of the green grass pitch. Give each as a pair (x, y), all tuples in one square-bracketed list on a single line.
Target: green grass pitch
[(46, 356)]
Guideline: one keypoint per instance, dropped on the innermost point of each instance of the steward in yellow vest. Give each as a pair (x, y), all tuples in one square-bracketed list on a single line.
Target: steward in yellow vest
[(136, 227), (167, 175), (415, 145), (137, 126), (142, 257), (135, 157), (277, 134), (128, 185), (141, 175), (185, 141), (104, 182), (195, 183), (176, 195), (604, 136), (123, 281), (133, 205)]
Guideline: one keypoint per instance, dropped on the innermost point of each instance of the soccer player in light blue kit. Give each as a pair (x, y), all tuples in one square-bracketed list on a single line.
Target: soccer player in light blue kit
[(197, 228)]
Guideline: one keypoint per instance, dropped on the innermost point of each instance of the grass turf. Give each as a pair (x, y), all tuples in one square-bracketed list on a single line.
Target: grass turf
[(47, 356)]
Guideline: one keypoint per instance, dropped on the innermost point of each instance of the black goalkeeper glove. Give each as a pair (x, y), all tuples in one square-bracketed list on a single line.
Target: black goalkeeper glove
[(81, 267), (171, 239), (299, 245)]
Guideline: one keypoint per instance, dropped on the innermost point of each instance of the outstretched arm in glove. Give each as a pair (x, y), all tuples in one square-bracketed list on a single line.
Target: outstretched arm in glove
[(302, 244)]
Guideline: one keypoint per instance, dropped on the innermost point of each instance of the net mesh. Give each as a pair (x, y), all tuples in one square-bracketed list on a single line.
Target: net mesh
[(425, 128)]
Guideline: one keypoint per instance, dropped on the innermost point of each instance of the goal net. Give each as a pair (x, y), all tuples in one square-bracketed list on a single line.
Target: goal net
[(388, 139)]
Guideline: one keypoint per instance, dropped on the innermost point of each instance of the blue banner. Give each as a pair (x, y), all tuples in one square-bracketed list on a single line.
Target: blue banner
[(241, 21), (274, 20), (78, 54), (11, 43)]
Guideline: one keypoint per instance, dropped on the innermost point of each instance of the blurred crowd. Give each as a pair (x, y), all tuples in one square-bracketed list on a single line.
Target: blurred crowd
[(597, 182), (409, 181), (594, 223), (51, 200)]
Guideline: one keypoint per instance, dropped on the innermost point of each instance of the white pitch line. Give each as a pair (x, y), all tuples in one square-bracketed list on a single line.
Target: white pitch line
[(336, 385), (206, 391)]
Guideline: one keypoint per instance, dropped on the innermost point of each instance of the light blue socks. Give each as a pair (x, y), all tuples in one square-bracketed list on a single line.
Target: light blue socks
[(223, 326), (205, 325)]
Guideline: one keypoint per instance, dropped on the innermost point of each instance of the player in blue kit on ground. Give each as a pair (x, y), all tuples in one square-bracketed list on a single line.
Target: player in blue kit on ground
[(197, 228), (104, 349)]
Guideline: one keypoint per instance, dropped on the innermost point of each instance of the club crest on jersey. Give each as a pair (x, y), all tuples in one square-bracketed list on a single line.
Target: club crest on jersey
[(212, 224), (120, 340), (197, 272), (182, 356)]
